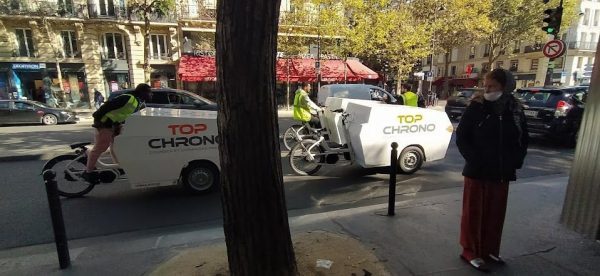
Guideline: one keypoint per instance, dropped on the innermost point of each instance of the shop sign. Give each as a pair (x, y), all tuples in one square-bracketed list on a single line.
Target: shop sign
[(25, 66)]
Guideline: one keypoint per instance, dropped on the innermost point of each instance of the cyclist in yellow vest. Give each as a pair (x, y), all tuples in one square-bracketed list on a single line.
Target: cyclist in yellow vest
[(107, 121), (410, 98), (303, 106)]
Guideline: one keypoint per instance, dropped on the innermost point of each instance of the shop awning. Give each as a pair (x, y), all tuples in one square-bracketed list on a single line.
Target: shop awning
[(203, 68), (361, 70), (197, 68), (439, 81), (465, 83)]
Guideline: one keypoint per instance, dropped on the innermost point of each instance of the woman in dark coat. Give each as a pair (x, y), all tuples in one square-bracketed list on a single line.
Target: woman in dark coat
[(492, 137)]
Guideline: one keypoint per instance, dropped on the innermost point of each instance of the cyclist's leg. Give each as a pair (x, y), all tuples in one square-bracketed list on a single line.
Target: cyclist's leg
[(314, 122), (104, 138)]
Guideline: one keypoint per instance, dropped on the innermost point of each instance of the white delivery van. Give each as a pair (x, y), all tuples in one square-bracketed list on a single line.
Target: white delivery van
[(353, 91)]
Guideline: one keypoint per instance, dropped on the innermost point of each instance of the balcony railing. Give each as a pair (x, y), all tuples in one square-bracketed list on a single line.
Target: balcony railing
[(64, 8), (155, 17), (583, 45), (198, 12), (533, 48), (98, 11)]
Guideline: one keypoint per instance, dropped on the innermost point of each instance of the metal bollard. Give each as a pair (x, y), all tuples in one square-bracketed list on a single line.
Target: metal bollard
[(58, 223), (393, 171)]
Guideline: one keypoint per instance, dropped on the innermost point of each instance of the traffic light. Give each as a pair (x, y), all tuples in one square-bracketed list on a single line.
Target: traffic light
[(553, 20)]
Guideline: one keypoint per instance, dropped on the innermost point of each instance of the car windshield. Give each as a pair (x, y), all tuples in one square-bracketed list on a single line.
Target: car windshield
[(463, 93)]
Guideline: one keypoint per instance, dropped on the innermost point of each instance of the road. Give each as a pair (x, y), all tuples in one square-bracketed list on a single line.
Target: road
[(114, 208)]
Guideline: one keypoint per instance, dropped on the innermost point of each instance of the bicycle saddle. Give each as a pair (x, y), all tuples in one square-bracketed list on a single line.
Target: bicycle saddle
[(79, 145)]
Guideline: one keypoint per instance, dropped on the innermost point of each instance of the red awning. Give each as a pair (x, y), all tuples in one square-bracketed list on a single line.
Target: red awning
[(361, 70), (465, 83), (197, 68), (202, 68), (439, 81)]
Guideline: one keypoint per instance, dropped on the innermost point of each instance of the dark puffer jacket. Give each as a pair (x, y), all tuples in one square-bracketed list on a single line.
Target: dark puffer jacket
[(493, 139)]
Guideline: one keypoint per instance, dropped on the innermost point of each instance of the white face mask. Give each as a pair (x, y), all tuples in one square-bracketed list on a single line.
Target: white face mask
[(492, 96)]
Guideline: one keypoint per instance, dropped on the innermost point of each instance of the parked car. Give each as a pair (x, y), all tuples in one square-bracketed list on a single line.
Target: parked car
[(24, 111), (555, 112), (354, 91), (459, 100), (173, 98)]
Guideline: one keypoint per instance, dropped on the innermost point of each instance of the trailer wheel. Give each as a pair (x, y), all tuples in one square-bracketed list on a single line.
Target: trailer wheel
[(200, 177), (410, 160)]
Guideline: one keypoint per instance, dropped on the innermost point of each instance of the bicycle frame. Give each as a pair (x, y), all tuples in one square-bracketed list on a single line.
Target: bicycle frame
[(329, 150), (100, 166)]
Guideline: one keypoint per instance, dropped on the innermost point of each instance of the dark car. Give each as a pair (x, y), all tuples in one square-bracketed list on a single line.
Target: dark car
[(459, 100), (173, 98), (23, 112), (555, 112)]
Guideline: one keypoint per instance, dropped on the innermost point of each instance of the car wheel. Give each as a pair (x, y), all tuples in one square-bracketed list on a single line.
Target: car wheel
[(49, 119), (200, 177), (410, 160)]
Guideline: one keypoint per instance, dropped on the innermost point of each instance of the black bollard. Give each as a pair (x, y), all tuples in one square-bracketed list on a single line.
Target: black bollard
[(58, 223), (393, 171)]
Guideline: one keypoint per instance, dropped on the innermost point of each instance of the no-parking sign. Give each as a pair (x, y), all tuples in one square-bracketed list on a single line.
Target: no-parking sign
[(554, 48)]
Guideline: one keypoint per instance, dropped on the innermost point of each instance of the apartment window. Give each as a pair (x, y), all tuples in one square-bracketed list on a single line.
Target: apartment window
[(558, 62), (210, 4), (583, 37), (24, 42), (106, 7), (499, 64), (514, 65), (485, 67), (158, 47), (579, 62), (486, 51), (516, 47), (429, 59), (534, 64), (596, 17), (586, 17), (472, 52), (69, 43), (113, 46), (453, 71), (65, 6)]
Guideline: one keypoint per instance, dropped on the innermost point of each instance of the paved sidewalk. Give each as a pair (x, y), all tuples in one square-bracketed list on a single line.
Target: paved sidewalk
[(422, 239)]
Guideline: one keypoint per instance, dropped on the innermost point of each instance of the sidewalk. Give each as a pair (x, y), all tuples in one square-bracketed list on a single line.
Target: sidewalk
[(422, 239)]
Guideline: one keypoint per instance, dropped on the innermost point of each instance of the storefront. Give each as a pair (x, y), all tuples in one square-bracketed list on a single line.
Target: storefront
[(525, 80), (116, 75), (26, 81), (163, 76), (198, 73)]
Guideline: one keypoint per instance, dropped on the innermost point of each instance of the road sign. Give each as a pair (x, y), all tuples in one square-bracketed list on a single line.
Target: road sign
[(554, 48)]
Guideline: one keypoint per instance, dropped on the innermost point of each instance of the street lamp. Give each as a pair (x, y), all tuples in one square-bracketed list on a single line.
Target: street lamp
[(441, 8)]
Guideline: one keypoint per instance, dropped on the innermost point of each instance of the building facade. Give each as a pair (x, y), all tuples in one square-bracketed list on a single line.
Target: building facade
[(525, 60), (77, 46)]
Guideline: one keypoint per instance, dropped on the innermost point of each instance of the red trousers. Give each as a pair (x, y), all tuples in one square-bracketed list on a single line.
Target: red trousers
[(484, 208)]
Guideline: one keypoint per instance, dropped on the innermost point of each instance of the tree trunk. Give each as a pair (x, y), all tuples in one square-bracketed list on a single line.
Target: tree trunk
[(147, 68), (256, 225), (399, 83), (446, 90)]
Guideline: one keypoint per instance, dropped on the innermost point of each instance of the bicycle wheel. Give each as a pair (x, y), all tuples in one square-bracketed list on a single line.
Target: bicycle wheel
[(69, 186), (298, 158), (290, 138)]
